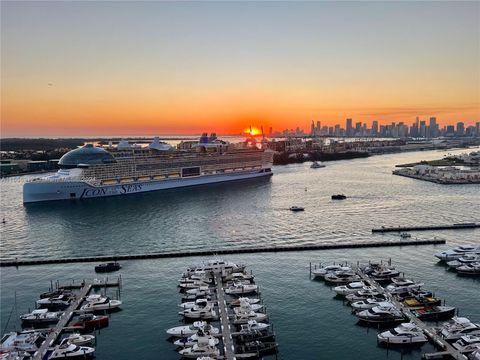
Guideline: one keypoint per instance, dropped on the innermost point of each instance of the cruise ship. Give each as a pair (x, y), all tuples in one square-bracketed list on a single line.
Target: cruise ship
[(91, 171)]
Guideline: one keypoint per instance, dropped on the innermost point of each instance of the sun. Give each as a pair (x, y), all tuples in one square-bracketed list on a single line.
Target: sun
[(252, 131)]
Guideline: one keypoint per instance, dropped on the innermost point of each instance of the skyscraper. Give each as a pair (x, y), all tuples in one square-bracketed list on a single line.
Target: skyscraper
[(432, 128), (349, 128), (375, 127)]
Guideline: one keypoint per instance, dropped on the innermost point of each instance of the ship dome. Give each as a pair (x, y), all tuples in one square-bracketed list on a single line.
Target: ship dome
[(88, 155), (157, 145)]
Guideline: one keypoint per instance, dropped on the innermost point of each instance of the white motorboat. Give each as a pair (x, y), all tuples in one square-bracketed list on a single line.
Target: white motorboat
[(366, 304), (99, 303), (245, 317), (79, 339), (238, 288), (402, 286), (237, 302), (458, 252), (41, 316), (201, 312), (469, 269), (195, 338), (458, 327), (467, 344), (364, 294), (72, 351), (351, 288), (201, 291), (15, 355), (247, 307), (404, 334), (195, 284), (253, 326), (203, 347), (60, 301), (386, 274), (29, 341), (189, 330), (324, 270), (217, 265), (384, 313), (198, 303), (196, 275), (238, 276), (316, 165), (464, 260), (341, 277)]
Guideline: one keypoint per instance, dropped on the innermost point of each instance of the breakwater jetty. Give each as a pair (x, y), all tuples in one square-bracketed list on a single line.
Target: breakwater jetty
[(427, 227), (350, 245)]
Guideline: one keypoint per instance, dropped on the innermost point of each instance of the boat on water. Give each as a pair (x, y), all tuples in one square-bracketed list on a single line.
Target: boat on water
[(70, 351), (458, 327), (238, 301), (203, 347), (89, 321), (201, 303), (237, 288), (61, 301), (351, 288), (434, 313), (195, 284), (195, 338), (405, 235), (384, 275), (324, 270), (415, 302), (404, 334), (458, 252), (400, 286), (200, 312), (100, 303), (189, 330), (29, 341), (108, 267), (464, 260), (296, 208), (368, 303), (252, 326), (467, 344), (41, 316), (216, 265), (245, 317), (384, 313), (341, 277), (257, 348), (247, 307), (469, 269), (91, 172), (80, 339), (316, 165), (338, 197)]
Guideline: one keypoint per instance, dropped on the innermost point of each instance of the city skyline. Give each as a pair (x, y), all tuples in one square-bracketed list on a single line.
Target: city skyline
[(124, 68)]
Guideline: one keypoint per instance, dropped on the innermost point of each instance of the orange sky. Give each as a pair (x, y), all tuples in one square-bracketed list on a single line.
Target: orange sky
[(126, 68)]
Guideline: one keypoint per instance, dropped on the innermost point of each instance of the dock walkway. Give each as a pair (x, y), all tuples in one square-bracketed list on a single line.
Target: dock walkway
[(431, 334), (60, 326), (224, 320), (427, 227)]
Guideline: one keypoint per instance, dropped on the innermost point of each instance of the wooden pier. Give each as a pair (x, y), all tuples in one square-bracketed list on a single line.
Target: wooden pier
[(427, 227), (447, 349), (229, 351), (62, 323), (350, 245)]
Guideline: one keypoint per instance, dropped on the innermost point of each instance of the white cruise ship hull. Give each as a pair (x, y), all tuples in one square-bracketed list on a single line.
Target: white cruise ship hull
[(42, 190)]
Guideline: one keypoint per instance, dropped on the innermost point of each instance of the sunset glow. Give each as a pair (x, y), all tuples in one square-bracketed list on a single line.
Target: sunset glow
[(146, 68)]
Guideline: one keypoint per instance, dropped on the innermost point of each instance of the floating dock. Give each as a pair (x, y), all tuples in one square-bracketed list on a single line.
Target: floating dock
[(351, 245), (224, 320), (427, 227)]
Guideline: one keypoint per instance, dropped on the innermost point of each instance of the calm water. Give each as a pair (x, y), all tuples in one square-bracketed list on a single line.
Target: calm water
[(309, 323)]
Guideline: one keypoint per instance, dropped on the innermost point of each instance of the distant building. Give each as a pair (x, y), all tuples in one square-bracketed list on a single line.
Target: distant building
[(460, 129), (349, 128)]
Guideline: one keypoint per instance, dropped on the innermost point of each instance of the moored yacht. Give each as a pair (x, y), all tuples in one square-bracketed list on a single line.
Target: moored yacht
[(56, 302), (404, 334), (469, 269), (29, 341), (402, 286), (189, 330), (458, 252), (458, 327), (464, 260), (367, 303), (467, 344), (203, 347), (195, 338), (239, 288), (100, 303), (40, 316), (245, 317), (71, 351), (200, 303), (237, 302), (434, 313), (352, 288), (384, 313), (324, 270), (201, 312), (80, 339)]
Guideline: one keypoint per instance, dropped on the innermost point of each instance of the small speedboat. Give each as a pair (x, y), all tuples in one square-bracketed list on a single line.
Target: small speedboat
[(338, 197), (458, 327), (296, 208), (434, 313), (237, 288), (404, 334), (316, 165), (467, 344), (100, 303), (384, 313), (90, 321), (41, 316), (189, 330), (108, 267), (71, 351), (351, 288)]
